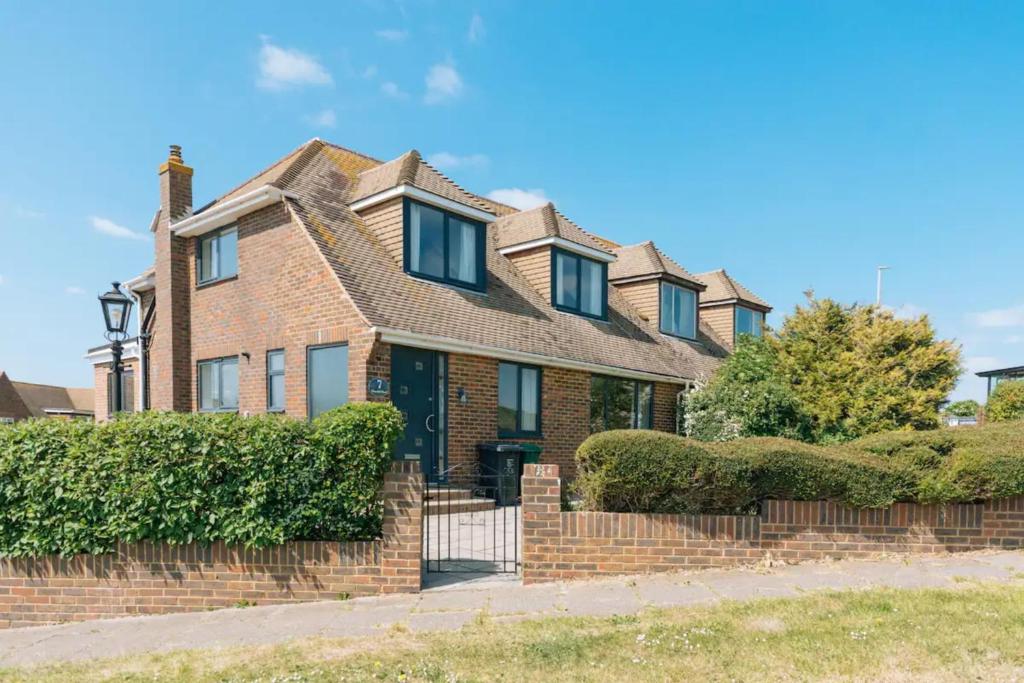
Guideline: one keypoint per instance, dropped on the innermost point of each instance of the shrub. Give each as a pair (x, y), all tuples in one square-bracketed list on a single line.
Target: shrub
[(630, 471), (1006, 402), (70, 487), (966, 408), (646, 471)]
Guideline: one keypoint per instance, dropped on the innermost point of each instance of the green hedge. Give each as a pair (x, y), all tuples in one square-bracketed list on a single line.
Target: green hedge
[(638, 471), (71, 487)]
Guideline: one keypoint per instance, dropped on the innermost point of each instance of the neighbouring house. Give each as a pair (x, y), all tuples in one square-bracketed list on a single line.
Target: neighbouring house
[(332, 276), (994, 377), (22, 400)]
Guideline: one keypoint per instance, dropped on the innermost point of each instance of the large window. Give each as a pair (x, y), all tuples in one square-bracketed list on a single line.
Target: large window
[(275, 381), (678, 311), (444, 247), (326, 378), (579, 285), (749, 322), (217, 256), (620, 404), (127, 392), (218, 384), (518, 400)]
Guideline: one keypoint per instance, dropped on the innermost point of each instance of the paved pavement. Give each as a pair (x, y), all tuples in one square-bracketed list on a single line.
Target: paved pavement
[(481, 541), (452, 606)]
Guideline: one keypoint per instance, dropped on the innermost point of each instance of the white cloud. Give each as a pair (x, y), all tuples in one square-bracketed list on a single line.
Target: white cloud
[(112, 229), (521, 199), (324, 119), (447, 160), (1000, 317), (393, 34), (370, 72), (282, 67), (1, 279), (476, 29), (392, 90), (905, 311), (74, 290), (443, 83)]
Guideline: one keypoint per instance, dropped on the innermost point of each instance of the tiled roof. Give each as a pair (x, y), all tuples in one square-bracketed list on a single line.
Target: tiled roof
[(411, 169), (638, 260), (41, 398), (723, 287), (543, 221), (512, 315)]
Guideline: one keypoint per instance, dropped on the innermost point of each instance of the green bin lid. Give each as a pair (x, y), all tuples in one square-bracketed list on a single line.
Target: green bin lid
[(532, 448)]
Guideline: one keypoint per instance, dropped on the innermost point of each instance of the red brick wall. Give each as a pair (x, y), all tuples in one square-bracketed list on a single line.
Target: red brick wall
[(100, 372), (148, 578), (570, 545)]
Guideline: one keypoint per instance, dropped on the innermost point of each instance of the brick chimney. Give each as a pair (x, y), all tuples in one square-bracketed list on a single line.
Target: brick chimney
[(170, 355)]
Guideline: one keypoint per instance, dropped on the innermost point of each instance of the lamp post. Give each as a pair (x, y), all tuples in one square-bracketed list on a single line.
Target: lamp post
[(117, 308)]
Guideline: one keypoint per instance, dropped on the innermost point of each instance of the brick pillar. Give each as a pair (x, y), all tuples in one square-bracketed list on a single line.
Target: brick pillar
[(171, 350), (403, 529), (542, 521)]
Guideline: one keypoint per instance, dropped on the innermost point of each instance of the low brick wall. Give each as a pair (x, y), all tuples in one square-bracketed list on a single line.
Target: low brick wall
[(150, 578), (569, 545)]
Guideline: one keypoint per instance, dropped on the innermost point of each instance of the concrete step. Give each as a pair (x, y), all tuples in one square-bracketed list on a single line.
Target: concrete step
[(444, 507), (448, 493)]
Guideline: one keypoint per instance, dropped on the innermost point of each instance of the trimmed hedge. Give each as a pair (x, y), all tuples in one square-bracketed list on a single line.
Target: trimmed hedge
[(639, 471), (73, 487)]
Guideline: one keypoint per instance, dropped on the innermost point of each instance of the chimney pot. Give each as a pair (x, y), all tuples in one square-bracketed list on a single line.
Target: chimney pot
[(175, 154)]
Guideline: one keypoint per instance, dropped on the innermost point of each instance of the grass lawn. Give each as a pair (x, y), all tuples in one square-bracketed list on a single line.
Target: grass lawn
[(973, 633)]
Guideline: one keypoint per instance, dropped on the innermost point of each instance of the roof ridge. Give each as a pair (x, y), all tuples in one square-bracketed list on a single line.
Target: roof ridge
[(446, 178), (40, 384), (347, 149), (576, 225), (256, 175), (410, 163), (312, 148)]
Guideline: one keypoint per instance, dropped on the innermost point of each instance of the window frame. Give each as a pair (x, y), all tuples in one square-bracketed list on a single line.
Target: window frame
[(127, 384), (555, 251), (736, 334), (276, 373), (309, 394), (635, 413), (215, 235), (219, 361), (481, 247), (519, 432), (696, 310)]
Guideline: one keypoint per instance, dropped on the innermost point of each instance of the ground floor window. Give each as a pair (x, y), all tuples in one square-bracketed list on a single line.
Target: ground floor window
[(518, 400), (127, 392), (275, 381), (620, 404), (218, 384), (326, 378)]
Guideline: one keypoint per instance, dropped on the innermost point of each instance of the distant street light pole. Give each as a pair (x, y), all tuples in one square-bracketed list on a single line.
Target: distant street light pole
[(117, 308), (878, 289)]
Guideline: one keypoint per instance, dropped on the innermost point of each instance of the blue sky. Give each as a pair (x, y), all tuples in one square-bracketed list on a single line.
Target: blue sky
[(797, 144)]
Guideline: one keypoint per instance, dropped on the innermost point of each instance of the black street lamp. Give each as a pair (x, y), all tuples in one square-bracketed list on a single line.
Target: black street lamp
[(117, 308)]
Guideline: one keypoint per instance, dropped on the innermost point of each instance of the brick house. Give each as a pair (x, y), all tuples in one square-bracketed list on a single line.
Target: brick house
[(332, 276)]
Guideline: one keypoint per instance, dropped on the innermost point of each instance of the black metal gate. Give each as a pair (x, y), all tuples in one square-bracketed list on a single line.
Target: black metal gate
[(471, 522)]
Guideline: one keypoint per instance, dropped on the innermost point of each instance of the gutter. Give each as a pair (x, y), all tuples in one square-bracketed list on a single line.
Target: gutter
[(426, 341), (230, 211)]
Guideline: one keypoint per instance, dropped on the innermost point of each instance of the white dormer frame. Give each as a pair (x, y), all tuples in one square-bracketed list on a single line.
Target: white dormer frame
[(563, 244), (225, 213), (425, 197)]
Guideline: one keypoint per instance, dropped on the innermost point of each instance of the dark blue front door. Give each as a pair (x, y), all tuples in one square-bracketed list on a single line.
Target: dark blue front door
[(418, 391)]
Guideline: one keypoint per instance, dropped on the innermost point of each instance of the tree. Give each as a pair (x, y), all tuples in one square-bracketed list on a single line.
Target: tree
[(748, 396), (966, 408), (1006, 402), (858, 369)]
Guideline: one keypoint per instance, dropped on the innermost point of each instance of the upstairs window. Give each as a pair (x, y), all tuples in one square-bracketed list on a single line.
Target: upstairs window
[(218, 384), (678, 311), (518, 400), (749, 322), (620, 404), (444, 247), (217, 255), (579, 285)]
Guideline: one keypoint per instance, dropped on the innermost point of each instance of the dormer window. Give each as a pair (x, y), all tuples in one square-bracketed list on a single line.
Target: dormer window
[(678, 311), (749, 321), (444, 247), (579, 285)]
